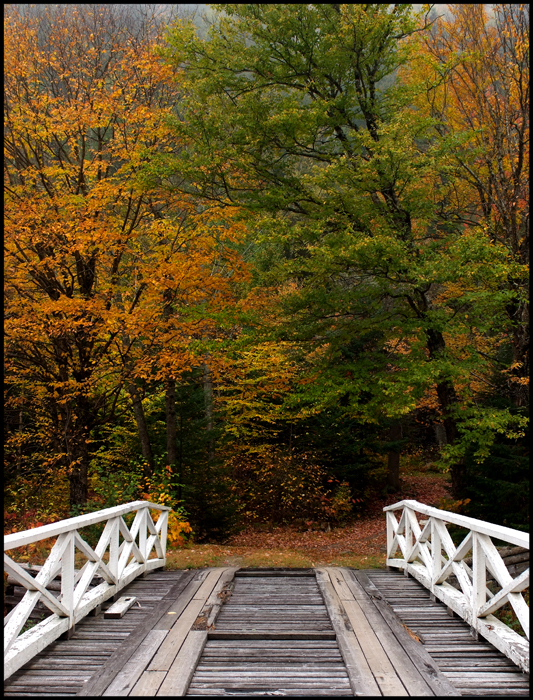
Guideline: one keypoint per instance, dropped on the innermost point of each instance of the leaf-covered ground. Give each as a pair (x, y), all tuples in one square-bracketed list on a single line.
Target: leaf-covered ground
[(361, 544)]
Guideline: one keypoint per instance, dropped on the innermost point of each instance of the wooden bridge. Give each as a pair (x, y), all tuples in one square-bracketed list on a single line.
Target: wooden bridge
[(122, 625)]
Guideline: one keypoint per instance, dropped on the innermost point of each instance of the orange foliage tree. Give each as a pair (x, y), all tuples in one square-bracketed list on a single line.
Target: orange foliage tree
[(475, 65), (106, 276)]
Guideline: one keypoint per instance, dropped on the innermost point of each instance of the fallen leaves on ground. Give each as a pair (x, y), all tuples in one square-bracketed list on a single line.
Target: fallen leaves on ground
[(365, 537), (360, 544)]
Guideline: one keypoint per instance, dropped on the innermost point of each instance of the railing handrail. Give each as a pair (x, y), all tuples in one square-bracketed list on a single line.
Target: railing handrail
[(428, 552), (500, 532), (20, 539), (116, 563)]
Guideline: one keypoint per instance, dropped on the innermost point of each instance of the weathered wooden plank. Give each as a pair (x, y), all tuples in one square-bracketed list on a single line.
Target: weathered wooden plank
[(277, 616), (498, 691), (148, 683), (126, 679), (281, 667), (274, 628), (461, 662), (99, 682), (281, 656), (270, 673), (378, 661), (361, 679), (172, 644), (46, 676), (281, 645), (273, 644), (306, 692), (60, 663), (178, 678), (236, 606), (399, 657), (173, 612), (282, 634), (485, 676), (275, 573), (243, 650), (28, 690), (420, 657), (260, 685)]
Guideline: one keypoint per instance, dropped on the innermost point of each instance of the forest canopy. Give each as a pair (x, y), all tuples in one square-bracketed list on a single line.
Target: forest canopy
[(251, 269)]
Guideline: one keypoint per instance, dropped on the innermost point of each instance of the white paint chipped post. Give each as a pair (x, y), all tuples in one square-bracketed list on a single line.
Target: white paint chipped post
[(424, 549), (127, 560)]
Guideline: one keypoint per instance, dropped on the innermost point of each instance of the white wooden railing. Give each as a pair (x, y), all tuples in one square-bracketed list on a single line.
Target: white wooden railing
[(420, 544), (125, 561)]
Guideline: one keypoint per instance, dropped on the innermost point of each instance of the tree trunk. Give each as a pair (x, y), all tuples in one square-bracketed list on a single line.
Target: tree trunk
[(78, 473), (518, 378), (208, 394), (393, 459), (77, 419), (140, 419), (447, 400), (440, 434), (170, 411)]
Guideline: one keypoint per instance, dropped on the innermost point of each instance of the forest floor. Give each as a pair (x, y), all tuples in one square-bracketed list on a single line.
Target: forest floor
[(360, 544)]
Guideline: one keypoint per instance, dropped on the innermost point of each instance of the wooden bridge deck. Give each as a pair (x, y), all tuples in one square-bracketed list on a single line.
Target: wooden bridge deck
[(234, 632)]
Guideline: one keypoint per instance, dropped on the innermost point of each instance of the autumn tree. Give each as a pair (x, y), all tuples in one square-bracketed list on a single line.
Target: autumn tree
[(108, 279), (474, 64)]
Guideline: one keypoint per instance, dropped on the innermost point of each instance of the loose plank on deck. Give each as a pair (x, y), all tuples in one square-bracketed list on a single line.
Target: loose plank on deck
[(176, 596), (97, 645)]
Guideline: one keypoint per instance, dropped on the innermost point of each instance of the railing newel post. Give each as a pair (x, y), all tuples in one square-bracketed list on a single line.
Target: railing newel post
[(114, 549), (479, 579), (436, 553), (390, 534), (163, 532), (68, 578), (408, 535), (143, 532)]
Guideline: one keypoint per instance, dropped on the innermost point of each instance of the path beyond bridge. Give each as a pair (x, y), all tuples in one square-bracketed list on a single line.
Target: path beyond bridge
[(228, 631)]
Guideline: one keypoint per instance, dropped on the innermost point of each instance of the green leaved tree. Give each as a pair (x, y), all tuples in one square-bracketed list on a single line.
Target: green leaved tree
[(295, 113)]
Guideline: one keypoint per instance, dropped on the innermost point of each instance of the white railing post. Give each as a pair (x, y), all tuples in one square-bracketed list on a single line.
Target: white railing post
[(143, 524), (479, 577), (408, 535), (436, 556), (67, 578), (428, 565), (162, 526), (77, 599), (113, 547)]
